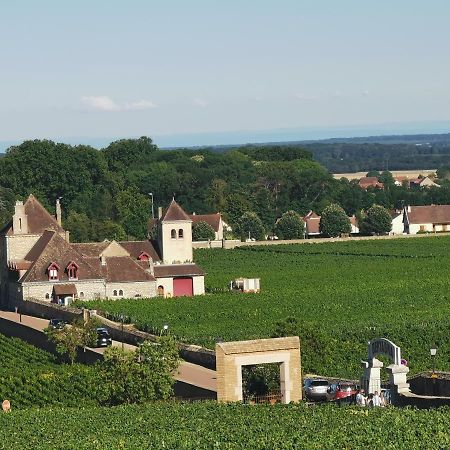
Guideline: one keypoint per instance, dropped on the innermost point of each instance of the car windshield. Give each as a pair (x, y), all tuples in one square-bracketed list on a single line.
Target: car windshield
[(347, 387), (319, 383), (103, 333)]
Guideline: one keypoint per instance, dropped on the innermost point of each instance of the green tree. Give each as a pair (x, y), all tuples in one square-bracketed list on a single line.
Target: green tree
[(290, 226), (71, 337), (250, 226), (79, 226), (141, 375), (377, 220), (132, 209), (202, 231), (334, 221)]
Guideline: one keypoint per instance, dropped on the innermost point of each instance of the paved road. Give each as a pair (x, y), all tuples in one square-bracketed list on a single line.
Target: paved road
[(187, 372)]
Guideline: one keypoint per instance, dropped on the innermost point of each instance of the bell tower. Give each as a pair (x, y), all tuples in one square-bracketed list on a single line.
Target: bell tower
[(175, 235)]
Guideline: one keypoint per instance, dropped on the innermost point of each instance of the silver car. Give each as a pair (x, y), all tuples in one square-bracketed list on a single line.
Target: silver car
[(316, 389)]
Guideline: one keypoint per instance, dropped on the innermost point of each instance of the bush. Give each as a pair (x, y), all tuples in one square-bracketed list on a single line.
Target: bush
[(377, 220), (334, 221), (290, 226), (251, 226), (202, 231)]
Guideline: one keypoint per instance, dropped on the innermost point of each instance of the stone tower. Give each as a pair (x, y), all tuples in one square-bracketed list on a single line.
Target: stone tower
[(175, 235)]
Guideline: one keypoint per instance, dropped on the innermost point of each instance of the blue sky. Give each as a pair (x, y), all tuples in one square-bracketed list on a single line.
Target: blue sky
[(202, 72)]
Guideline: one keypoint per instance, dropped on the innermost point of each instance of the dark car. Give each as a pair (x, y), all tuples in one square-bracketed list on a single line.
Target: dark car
[(103, 338), (342, 392), (57, 324), (316, 389)]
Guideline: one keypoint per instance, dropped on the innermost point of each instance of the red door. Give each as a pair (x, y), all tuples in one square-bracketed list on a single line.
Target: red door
[(182, 286)]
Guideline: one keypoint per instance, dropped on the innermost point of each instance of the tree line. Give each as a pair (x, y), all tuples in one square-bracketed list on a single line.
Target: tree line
[(105, 193)]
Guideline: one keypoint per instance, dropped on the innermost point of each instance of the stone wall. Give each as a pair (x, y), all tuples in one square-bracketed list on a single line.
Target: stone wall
[(130, 290), (91, 289)]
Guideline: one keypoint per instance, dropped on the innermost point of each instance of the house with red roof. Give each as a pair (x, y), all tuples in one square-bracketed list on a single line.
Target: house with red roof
[(370, 182), (214, 220), (426, 219), (37, 260)]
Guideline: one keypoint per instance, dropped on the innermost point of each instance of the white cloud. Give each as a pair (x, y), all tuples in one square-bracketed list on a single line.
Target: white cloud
[(199, 102), (105, 103), (139, 105), (100, 103)]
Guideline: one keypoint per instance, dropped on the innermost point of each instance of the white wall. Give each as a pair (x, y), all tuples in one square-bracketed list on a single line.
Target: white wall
[(167, 284), (198, 285), (397, 225), (176, 250)]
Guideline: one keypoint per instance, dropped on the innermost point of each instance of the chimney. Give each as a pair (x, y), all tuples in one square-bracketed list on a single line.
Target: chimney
[(20, 220), (159, 212), (151, 268), (58, 211)]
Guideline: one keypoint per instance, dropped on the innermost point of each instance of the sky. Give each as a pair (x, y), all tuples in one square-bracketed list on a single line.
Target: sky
[(204, 72)]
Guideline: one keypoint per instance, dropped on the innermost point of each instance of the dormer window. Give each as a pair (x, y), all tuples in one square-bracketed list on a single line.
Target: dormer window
[(173, 234), (144, 256), (53, 272), (72, 270), (180, 233)]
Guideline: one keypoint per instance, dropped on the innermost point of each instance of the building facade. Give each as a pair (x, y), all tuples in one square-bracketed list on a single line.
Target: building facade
[(38, 261)]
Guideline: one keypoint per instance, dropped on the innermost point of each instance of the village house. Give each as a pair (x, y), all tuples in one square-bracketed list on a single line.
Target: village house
[(421, 219), (312, 225), (214, 220), (367, 182), (38, 261)]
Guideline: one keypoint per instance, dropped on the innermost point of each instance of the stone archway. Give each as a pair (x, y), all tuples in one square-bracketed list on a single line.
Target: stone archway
[(231, 356), (371, 380)]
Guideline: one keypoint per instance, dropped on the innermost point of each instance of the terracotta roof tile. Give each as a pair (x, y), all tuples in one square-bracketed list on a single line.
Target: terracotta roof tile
[(91, 249), (135, 248), (177, 270), (211, 219), (125, 269), (62, 289), (174, 212), (437, 214)]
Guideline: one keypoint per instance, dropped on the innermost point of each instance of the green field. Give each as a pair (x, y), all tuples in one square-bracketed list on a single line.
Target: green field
[(32, 377), (209, 425), (343, 293)]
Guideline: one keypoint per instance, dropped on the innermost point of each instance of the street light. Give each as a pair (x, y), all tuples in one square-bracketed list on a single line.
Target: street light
[(122, 319), (153, 209), (433, 351)]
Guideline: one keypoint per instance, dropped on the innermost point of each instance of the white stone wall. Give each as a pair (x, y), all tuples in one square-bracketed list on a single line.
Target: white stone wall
[(176, 249), (143, 289), (198, 285), (92, 289), (18, 246), (167, 284), (219, 232), (397, 225)]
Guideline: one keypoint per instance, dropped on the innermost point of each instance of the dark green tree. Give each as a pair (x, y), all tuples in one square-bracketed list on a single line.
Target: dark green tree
[(133, 211), (334, 221), (377, 220), (250, 226), (202, 231), (290, 226)]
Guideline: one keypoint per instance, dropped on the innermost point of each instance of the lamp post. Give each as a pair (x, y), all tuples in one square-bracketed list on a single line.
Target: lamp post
[(122, 319), (153, 209), (433, 351), (164, 329)]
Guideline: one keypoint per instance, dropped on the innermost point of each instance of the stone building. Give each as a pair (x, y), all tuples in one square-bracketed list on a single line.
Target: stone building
[(38, 261)]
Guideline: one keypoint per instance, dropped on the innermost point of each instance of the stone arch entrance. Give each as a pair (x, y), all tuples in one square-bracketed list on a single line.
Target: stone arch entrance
[(231, 356), (371, 380)]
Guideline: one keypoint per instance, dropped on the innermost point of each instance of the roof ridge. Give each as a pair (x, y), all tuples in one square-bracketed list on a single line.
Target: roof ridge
[(174, 213)]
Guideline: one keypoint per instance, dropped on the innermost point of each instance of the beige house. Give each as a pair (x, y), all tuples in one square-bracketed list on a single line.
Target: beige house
[(214, 220), (431, 219), (38, 261)]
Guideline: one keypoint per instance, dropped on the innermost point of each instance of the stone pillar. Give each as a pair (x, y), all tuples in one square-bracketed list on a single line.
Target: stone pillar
[(371, 380), (397, 380)]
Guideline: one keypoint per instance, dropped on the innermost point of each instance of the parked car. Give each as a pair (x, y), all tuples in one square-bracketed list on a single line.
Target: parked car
[(342, 391), (57, 324), (316, 389), (103, 338)]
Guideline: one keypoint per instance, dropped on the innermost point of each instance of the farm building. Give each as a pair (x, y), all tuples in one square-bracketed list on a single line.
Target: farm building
[(432, 218), (38, 261)]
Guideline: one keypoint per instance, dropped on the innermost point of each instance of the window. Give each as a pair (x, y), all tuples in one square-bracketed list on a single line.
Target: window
[(115, 293), (47, 296), (173, 234), (160, 291), (180, 233), (120, 292), (444, 227), (422, 228), (144, 256), (72, 270), (81, 294), (52, 271)]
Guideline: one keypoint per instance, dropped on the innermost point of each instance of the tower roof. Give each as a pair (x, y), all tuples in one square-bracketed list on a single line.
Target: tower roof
[(174, 212)]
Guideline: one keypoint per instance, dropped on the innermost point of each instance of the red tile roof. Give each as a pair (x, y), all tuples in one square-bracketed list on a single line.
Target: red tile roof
[(366, 182), (312, 221), (177, 270), (211, 219), (123, 269), (174, 212), (38, 218), (135, 248), (437, 214), (64, 289)]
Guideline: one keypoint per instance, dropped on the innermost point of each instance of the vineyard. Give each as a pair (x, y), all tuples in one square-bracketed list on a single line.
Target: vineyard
[(343, 294), (33, 377), (209, 425)]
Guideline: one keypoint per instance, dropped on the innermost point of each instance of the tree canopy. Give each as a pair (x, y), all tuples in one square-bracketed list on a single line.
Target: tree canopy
[(334, 221)]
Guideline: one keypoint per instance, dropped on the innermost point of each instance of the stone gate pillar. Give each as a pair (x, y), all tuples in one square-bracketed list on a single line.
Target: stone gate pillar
[(371, 380)]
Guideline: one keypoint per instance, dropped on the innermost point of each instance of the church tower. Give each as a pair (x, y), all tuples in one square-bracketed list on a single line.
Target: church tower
[(175, 235)]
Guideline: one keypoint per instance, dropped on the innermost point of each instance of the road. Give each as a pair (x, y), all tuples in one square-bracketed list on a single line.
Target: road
[(187, 372)]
